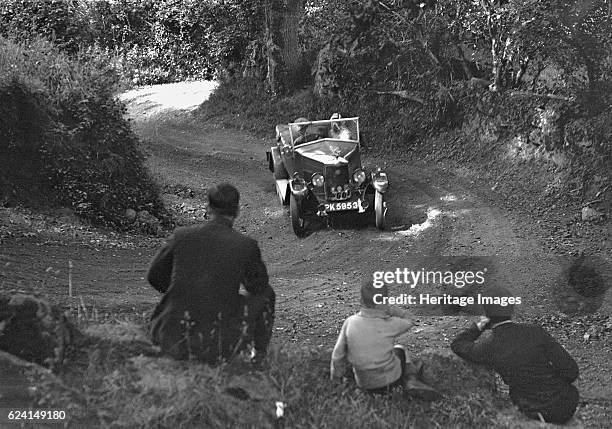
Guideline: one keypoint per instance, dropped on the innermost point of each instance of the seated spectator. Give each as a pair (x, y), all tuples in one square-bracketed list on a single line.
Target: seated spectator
[(366, 341), (538, 370), (200, 270)]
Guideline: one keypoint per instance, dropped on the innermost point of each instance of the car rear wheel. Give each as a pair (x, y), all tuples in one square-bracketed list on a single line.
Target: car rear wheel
[(297, 217), (380, 210)]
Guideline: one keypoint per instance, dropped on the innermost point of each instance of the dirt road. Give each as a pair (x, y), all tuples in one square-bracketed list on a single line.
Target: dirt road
[(432, 213)]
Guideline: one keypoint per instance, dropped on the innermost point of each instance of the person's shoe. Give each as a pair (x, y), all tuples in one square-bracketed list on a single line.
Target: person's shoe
[(415, 367), (418, 389), (419, 366)]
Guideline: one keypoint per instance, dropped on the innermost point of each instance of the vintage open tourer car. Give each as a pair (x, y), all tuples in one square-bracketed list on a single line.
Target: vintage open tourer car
[(318, 172)]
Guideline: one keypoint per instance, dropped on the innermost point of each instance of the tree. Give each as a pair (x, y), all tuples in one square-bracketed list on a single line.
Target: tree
[(529, 35), (282, 45)]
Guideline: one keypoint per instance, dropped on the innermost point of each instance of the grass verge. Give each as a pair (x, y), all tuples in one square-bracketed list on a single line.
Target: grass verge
[(121, 382)]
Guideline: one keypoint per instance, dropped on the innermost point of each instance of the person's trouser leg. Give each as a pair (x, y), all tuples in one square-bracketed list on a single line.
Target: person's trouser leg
[(411, 373), (206, 342), (260, 318), (561, 409), (400, 352)]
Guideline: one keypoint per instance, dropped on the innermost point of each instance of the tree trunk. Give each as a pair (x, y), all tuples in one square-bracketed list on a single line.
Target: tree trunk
[(291, 47), (282, 44), (499, 46)]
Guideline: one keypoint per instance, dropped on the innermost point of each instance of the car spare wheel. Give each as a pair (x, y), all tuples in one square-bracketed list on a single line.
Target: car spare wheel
[(380, 210), (297, 218)]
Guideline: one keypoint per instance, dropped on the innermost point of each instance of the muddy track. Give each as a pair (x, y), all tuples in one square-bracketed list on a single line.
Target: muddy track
[(431, 212)]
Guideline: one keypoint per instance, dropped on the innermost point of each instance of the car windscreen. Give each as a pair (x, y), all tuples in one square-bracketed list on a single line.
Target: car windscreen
[(339, 129)]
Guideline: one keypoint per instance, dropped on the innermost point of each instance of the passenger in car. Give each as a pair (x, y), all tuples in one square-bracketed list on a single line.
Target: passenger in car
[(338, 130)]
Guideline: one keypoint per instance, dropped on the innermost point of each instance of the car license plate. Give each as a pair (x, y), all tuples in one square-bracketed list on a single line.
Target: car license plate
[(340, 206)]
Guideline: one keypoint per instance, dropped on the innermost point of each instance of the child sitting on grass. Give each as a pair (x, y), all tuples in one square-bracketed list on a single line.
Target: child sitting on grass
[(366, 341)]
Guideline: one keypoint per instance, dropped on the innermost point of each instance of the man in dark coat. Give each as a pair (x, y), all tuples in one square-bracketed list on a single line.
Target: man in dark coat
[(203, 313), (538, 370)]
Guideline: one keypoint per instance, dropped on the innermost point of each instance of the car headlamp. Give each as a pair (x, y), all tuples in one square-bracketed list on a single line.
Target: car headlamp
[(298, 185), (359, 176), (317, 180)]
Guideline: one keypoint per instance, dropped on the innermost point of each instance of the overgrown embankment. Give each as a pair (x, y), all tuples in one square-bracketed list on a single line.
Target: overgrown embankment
[(63, 138)]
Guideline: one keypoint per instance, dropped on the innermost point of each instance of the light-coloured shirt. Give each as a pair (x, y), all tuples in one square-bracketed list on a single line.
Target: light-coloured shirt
[(366, 341)]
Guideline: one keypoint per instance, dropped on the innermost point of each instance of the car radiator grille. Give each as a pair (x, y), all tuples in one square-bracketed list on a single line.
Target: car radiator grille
[(337, 183)]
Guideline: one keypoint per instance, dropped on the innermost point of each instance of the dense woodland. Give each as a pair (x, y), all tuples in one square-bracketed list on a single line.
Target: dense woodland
[(532, 70)]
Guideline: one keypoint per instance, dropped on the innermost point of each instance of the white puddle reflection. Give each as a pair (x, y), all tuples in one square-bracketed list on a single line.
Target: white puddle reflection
[(432, 214), (414, 230)]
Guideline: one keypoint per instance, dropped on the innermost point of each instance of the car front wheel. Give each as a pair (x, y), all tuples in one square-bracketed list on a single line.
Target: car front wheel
[(380, 210), (297, 217)]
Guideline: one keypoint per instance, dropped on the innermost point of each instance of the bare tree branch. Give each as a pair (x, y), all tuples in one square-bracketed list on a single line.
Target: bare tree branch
[(535, 94), (402, 94), (475, 81), (425, 46), (464, 63)]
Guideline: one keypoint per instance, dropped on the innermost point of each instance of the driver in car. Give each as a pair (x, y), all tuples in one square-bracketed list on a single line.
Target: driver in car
[(302, 135)]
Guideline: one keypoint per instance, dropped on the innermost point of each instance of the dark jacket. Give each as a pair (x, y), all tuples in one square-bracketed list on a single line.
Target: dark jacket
[(537, 369), (199, 270)]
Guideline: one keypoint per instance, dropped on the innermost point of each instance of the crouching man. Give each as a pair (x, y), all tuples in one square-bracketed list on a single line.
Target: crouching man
[(537, 369), (203, 314)]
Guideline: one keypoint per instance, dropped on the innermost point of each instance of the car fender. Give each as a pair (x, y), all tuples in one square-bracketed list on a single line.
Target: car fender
[(276, 165), (283, 191)]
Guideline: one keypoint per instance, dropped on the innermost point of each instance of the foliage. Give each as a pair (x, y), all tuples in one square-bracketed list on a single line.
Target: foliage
[(64, 135), (56, 20), (385, 121), (156, 41), (425, 63)]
